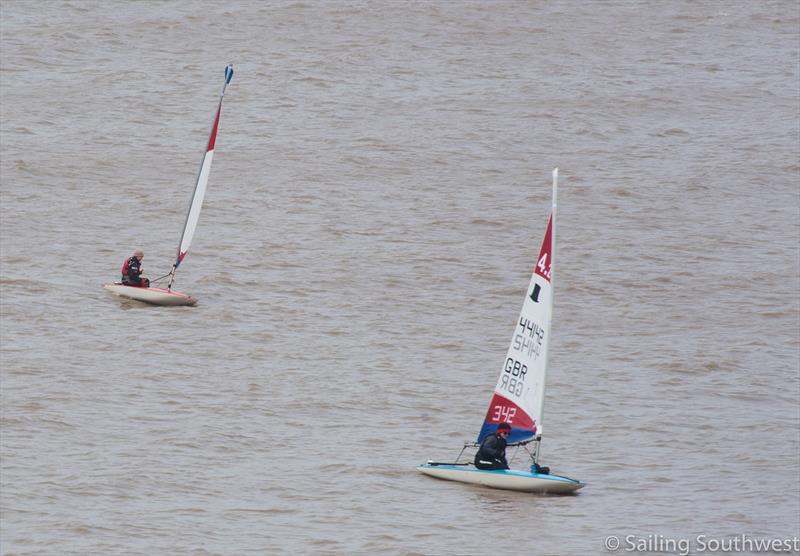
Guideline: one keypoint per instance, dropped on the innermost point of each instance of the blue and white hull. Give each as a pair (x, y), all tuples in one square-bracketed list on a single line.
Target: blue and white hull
[(506, 479)]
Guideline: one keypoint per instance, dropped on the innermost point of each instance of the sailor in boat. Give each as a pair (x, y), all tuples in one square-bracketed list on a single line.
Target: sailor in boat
[(132, 271), (492, 453)]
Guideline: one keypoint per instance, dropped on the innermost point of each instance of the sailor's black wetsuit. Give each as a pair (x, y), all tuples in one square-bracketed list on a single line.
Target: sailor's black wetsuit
[(492, 453)]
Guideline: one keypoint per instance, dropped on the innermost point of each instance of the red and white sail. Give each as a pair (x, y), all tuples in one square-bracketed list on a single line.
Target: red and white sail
[(200, 187), (519, 394)]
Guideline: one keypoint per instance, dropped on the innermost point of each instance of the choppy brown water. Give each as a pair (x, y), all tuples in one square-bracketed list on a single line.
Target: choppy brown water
[(380, 188)]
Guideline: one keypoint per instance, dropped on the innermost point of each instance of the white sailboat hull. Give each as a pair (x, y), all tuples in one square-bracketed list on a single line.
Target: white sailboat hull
[(508, 479), (154, 296)]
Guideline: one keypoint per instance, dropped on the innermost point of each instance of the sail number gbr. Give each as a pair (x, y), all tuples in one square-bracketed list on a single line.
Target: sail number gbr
[(513, 378)]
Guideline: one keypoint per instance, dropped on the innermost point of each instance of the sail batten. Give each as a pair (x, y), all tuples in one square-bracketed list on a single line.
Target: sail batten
[(518, 397)]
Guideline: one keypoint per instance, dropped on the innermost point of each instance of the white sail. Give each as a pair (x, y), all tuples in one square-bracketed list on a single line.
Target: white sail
[(200, 187), (194, 209), (518, 397)]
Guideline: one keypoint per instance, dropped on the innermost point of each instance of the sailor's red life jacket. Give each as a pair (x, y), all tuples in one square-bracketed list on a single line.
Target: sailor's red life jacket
[(131, 271)]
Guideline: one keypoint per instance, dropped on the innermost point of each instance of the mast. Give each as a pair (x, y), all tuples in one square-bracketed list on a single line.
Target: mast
[(199, 192), (540, 409)]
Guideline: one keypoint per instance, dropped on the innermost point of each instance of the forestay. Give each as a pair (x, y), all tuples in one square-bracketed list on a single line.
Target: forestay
[(519, 394)]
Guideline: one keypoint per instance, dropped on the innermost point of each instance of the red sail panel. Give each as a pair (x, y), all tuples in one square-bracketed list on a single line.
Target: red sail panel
[(213, 138), (545, 259), (503, 410)]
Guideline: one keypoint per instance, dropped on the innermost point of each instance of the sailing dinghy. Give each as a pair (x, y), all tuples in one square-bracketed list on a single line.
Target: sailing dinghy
[(161, 296), (519, 394)]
